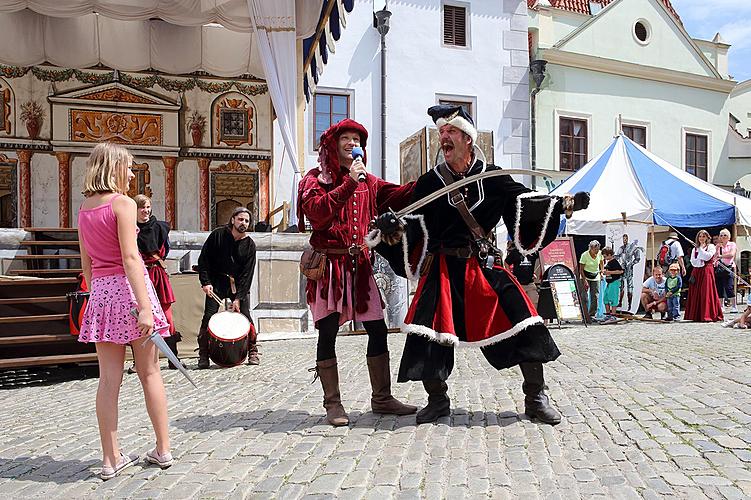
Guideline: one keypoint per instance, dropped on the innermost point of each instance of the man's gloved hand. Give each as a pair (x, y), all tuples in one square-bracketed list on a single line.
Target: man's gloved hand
[(388, 223), (581, 200)]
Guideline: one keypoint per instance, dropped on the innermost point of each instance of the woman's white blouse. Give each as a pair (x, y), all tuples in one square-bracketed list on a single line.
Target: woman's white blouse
[(699, 255)]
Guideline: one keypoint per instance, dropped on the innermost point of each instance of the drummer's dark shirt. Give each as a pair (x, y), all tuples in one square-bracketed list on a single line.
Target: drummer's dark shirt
[(223, 256)]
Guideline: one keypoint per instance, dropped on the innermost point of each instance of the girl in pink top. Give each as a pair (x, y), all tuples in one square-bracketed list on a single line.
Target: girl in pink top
[(119, 284)]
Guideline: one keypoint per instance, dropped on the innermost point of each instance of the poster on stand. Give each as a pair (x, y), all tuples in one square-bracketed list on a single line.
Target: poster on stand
[(628, 241)]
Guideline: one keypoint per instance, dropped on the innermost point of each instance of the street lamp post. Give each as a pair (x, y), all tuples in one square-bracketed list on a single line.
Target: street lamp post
[(382, 24), (537, 70)]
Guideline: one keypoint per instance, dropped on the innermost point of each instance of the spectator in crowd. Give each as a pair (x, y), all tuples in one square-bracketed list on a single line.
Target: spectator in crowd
[(703, 303), (613, 272), (674, 285), (742, 320), (724, 270), (674, 253), (590, 270), (654, 294)]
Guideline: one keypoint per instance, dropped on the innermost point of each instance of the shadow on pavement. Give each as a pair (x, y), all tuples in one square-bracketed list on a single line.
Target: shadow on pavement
[(45, 469), (280, 421), (46, 375)]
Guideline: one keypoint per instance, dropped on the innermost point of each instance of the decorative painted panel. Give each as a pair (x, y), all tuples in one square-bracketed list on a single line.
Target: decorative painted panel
[(121, 128), (8, 192), (233, 184), (140, 183), (5, 110), (233, 120), (117, 95)]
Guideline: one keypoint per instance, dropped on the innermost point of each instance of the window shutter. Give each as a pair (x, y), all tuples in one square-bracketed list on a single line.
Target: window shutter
[(454, 25)]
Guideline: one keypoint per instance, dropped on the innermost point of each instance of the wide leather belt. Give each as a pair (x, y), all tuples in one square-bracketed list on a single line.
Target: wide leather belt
[(351, 250)]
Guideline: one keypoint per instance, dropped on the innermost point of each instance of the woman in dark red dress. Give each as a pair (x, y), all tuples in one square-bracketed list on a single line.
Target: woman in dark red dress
[(153, 244), (703, 304)]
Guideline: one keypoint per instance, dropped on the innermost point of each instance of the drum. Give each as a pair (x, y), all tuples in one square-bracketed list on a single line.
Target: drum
[(228, 338), (77, 302)]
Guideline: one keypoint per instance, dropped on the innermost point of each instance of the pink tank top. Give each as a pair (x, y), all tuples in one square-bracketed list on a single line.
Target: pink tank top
[(98, 228)]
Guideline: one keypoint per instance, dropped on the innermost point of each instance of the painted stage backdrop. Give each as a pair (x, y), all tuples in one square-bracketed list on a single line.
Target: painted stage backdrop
[(628, 243)]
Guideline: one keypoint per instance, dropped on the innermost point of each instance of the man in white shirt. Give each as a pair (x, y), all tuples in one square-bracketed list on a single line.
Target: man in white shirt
[(676, 252), (653, 294)]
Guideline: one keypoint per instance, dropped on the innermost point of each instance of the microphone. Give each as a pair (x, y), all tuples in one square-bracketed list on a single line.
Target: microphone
[(357, 152)]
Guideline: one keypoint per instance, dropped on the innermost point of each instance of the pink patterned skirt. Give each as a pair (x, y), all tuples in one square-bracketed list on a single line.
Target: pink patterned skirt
[(108, 318), (321, 307)]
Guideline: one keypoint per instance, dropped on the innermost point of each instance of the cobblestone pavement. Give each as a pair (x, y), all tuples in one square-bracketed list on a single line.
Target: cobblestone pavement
[(650, 410)]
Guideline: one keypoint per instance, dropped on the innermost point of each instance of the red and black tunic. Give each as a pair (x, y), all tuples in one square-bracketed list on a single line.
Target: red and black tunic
[(459, 302), (153, 245)]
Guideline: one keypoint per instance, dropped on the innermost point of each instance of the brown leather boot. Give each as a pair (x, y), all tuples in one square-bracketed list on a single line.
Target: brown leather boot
[(327, 371), (381, 400)]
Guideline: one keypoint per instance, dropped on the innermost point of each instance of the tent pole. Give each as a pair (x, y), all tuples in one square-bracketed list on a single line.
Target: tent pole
[(735, 240), (652, 210)]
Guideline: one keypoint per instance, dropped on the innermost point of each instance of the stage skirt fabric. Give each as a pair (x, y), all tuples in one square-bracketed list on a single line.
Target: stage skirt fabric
[(703, 303), (458, 303)]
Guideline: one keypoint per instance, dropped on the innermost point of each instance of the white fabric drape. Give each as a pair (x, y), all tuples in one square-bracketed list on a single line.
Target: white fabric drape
[(232, 14), (28, 38), (274, 25)]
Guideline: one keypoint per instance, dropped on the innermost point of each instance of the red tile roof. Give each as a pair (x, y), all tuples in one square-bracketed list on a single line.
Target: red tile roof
[(582, 6)]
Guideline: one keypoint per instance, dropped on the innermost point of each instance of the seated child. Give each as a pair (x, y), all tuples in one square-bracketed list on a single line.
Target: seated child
[(613, 273), (742, 320)]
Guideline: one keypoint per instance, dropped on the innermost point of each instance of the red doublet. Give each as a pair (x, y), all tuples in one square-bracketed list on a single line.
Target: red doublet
[(339, 216)]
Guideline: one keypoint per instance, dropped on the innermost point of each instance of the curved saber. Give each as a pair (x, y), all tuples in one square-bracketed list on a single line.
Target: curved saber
[(475, 178)]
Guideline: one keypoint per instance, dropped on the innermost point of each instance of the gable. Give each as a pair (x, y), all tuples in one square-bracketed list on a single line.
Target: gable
[(114, 93), (610, 35)]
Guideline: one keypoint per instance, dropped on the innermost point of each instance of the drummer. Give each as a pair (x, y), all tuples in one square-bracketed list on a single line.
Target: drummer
[(226, 268)]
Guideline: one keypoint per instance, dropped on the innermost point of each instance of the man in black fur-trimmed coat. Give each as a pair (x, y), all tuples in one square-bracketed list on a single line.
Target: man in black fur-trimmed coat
[(465, 297)]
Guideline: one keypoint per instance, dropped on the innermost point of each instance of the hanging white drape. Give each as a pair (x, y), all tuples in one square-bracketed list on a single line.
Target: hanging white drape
[(232, 14), (274, 25)]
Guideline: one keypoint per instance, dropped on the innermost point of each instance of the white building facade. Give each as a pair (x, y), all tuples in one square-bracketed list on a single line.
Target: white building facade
[(473, 53), (630, 65)]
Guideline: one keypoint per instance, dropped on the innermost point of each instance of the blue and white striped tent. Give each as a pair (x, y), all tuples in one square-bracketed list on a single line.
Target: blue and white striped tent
[(628, 178)]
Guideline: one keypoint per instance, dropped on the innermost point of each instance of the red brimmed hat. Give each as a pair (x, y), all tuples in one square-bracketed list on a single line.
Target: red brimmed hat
[(328, 153)]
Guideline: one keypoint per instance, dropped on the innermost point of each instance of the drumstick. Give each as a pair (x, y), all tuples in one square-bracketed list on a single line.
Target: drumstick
[(215, 297)]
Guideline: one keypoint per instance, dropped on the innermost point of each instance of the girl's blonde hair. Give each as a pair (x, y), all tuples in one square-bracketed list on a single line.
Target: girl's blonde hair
[(141, 200), (107, 169)]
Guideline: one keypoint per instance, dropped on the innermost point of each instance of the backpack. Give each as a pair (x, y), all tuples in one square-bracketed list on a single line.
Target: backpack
[(663, 255)]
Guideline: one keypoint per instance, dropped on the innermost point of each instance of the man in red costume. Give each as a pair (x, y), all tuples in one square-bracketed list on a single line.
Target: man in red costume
[(339, 207)]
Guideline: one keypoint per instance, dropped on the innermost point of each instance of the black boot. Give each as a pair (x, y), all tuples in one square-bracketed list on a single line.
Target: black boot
[(536, 402), (203, 349), (172, 341), (439, 404)]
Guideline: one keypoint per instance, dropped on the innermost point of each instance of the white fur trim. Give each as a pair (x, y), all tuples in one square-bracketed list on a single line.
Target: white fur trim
[(517, 223), (451, 339), (373, 238), (405, 248), (460, 123)]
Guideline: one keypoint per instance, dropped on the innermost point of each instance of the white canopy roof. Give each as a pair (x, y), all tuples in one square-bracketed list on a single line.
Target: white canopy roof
[(173, 36)]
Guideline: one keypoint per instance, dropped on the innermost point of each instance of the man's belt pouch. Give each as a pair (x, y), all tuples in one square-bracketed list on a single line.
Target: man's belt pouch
[(312, 264), (590, 276)]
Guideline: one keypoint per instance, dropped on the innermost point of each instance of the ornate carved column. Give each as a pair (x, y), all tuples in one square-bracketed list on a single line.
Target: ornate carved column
[(170, 166), (24, 186), (63, 169), (263, 189), (203, 192)]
